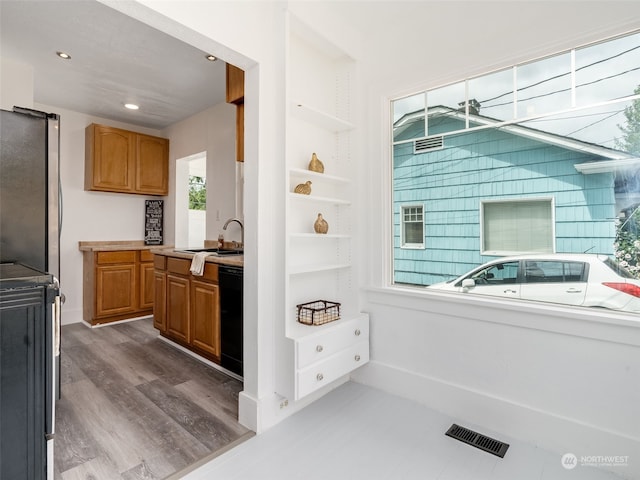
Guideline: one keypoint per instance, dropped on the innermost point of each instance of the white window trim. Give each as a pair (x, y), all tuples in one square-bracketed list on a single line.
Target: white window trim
[(411, 246), (551, 200)]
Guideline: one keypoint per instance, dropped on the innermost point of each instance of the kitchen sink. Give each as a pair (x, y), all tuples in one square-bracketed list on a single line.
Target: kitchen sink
[(213, 251)]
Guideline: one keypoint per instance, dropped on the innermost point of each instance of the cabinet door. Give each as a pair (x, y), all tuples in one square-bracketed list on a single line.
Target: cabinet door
[(110, 159), (116, 289), (178, 308), (205, 317), (152, 165), (146, 286), (160, 301)]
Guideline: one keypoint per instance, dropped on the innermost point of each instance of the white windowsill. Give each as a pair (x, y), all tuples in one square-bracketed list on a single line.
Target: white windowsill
[(591, 323)]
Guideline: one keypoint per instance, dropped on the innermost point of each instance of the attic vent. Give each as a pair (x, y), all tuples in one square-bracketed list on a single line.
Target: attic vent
[(428, 144), (476, 440)]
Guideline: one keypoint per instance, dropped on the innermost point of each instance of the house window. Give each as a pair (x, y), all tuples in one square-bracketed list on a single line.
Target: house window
[(412, 226), (539, 158), (524, 226)]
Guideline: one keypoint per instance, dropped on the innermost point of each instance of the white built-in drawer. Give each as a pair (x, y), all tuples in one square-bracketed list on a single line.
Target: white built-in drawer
[(322, 373), (315, 348)]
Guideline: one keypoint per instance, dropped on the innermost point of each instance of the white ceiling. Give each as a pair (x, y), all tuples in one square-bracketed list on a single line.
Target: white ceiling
[(114, 60)]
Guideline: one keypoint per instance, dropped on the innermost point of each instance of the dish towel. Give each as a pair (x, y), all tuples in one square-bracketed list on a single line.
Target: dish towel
[(197, 263)]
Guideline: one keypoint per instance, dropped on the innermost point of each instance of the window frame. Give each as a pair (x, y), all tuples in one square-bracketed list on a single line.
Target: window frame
[(403, 242), (551, 203)]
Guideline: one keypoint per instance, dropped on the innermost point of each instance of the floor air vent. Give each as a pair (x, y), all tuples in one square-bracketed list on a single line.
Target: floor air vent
[(476, 440)]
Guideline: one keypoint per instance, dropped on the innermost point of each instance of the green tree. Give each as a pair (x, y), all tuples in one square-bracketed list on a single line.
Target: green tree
[(630, 140), (197, 193)]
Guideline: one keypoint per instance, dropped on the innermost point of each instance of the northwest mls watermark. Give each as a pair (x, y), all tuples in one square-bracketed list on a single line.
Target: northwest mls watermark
[(571, 461)]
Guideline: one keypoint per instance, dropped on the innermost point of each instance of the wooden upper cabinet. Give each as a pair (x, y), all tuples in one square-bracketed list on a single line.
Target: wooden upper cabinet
[(109, 159), (235, 84), (152, 172), (118, 160), (235, 94)]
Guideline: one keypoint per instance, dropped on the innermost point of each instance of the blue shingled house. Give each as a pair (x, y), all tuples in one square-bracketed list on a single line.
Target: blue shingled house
[(465, 198)]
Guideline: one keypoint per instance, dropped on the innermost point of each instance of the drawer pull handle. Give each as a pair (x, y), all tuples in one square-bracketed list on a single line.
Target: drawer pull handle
[(319, 348), (319, 377), (357, 332), (357, 358)]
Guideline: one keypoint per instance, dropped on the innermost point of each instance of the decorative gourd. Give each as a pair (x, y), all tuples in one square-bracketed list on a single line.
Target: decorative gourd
[(303, 188)]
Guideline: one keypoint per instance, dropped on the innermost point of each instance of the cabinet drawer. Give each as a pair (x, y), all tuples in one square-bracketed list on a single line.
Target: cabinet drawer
[(323, 373), (123, 256), (180, 266), (146, 256), (160, 262), (318, 347), (210, 272)]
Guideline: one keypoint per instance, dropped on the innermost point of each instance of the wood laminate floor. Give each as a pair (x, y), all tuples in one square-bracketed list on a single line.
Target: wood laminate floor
[(133, 407)]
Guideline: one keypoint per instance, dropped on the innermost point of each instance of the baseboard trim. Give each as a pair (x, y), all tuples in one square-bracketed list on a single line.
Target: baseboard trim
[(547, 430)]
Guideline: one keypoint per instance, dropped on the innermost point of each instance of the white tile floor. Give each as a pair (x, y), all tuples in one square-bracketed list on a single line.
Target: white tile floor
[(356, 432)]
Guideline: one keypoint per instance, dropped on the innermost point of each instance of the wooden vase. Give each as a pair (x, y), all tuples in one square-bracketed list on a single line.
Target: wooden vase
[(315, 165), (321, 225)]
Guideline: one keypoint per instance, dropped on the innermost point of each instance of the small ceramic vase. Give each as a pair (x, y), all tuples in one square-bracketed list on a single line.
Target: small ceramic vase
[(303, 188), (315, 165), (321, 225)]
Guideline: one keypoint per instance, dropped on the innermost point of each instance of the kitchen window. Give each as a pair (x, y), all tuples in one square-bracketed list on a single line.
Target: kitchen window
[(540, 157)]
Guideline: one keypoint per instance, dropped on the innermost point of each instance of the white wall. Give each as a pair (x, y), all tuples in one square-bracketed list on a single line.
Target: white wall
[(564, 380), (211, 131)]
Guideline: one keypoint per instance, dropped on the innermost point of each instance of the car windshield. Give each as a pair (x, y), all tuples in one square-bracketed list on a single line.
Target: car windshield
[(616, 267)]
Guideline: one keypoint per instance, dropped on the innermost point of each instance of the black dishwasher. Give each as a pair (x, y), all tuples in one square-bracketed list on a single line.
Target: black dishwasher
[(231, 298)]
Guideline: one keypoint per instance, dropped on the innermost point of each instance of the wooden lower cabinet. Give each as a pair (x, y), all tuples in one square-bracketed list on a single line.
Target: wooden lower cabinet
[(115, 289), (187, 310), (178, 308), (118, 285), (160, 300), (205, 301)]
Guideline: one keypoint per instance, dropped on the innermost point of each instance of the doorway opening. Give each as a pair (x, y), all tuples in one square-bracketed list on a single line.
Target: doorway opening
[(191, 200)]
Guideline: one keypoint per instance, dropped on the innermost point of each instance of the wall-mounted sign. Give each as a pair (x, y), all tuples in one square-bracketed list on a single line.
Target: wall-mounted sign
[(153, 222)]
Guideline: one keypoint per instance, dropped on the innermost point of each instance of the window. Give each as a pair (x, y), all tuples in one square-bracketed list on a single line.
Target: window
[(541, 157), (536, 271), (412, 226), (517, 227)]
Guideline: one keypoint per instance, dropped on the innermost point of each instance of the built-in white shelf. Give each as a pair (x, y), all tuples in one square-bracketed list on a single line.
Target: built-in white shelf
[(320, 118), (301, 173), (300, 331), (321, 267), (313, 199), (319, 235)]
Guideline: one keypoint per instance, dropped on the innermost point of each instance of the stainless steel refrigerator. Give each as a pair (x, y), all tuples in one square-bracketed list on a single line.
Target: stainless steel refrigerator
[(30, 213), (30, 222)]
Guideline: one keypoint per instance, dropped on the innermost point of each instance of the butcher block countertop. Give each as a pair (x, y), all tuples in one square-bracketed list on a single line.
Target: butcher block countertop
[(166, 250), (110, 246), (233, 260)]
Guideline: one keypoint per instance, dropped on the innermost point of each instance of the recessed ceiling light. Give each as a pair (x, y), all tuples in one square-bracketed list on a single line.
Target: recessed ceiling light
[(64, 55), (211, 58), (131, 106)]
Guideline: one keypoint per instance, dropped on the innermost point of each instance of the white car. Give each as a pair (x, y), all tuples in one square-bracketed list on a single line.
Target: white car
[(572, 279)]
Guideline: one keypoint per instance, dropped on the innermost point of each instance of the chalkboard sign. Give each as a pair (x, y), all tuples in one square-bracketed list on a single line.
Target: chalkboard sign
[(153, 221)]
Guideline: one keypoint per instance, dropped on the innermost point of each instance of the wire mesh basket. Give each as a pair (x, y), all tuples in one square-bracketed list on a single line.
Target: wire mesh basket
[(318, 312)]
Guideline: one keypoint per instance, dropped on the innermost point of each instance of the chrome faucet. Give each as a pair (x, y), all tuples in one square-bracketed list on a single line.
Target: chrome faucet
[(226, 224)]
